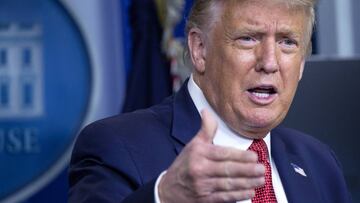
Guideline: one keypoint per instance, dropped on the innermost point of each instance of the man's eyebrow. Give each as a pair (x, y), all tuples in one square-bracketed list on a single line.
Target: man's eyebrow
[(288, 32), (248, 29), (257, 29)]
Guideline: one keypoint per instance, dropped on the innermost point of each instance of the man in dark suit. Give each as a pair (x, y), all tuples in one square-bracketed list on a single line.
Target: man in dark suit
[(217, 139)]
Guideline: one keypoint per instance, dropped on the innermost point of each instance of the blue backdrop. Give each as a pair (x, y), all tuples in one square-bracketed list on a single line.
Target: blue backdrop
[(66, 83)]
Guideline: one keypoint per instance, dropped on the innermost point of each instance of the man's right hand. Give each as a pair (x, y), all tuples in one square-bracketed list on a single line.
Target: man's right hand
[(207, 173)]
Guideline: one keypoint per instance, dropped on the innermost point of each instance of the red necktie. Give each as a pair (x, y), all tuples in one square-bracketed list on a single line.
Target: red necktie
[(264, 194)]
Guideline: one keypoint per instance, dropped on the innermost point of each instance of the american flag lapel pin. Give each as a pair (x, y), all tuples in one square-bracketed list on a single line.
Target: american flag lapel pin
[(298, 170)]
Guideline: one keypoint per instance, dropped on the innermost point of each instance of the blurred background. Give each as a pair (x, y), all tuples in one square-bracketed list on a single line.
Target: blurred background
[(66, 63)]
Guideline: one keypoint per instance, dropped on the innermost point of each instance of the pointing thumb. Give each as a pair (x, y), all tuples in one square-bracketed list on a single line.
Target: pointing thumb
[(208, 127)]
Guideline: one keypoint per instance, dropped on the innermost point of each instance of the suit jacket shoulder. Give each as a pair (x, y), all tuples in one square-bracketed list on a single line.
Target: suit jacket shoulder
[(113, 157), (308, 169)]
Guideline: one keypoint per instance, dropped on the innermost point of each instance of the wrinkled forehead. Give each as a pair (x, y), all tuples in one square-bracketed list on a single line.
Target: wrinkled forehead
[(290, 6), (278, 13)]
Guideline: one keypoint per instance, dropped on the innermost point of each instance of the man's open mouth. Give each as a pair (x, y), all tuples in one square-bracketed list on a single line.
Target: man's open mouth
[(263, 92)]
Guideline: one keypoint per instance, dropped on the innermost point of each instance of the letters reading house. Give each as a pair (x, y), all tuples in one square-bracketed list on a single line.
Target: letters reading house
[(21, 91)]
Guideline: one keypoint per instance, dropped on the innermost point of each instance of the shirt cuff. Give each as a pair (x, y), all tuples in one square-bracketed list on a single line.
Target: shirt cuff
[(156, 190)]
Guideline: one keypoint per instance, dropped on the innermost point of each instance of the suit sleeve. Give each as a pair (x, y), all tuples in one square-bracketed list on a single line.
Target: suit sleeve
[(102, 170)]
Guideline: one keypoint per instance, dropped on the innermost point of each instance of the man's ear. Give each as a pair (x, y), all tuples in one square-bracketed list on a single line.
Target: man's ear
[(196, 43), (302, 65)]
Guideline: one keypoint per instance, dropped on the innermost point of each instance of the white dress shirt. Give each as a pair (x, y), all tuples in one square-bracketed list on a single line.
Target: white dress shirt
[(225, 136)]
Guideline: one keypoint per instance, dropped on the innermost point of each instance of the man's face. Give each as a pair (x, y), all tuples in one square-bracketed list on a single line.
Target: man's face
[(253, 59)]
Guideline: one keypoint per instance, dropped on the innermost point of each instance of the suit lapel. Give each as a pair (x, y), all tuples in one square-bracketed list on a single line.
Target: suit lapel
[(186, 119), (294, 173)]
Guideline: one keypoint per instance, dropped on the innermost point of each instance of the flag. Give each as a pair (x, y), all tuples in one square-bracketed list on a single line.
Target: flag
[(149, 81)]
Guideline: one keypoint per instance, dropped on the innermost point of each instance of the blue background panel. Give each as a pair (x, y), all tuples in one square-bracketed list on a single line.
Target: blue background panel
[(66, 84)]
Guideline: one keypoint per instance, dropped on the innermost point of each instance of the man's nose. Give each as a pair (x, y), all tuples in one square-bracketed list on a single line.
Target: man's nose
[(267, 59)]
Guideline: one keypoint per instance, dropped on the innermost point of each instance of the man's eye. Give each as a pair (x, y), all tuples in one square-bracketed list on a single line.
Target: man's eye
[(246, 41), (246, 38), (289, 42)]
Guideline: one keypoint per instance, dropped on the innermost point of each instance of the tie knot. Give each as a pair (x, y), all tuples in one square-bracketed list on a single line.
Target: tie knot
[(259, 146)]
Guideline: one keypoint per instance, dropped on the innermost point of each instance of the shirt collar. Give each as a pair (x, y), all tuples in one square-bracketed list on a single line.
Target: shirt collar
[(224, 135)]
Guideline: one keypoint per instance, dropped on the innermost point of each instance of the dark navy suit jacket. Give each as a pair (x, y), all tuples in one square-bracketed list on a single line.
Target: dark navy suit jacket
[(118, 159)]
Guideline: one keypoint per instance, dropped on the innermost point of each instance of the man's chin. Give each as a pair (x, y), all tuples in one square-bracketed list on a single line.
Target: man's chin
[(255, 124), (264, 119), (258, 129)]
